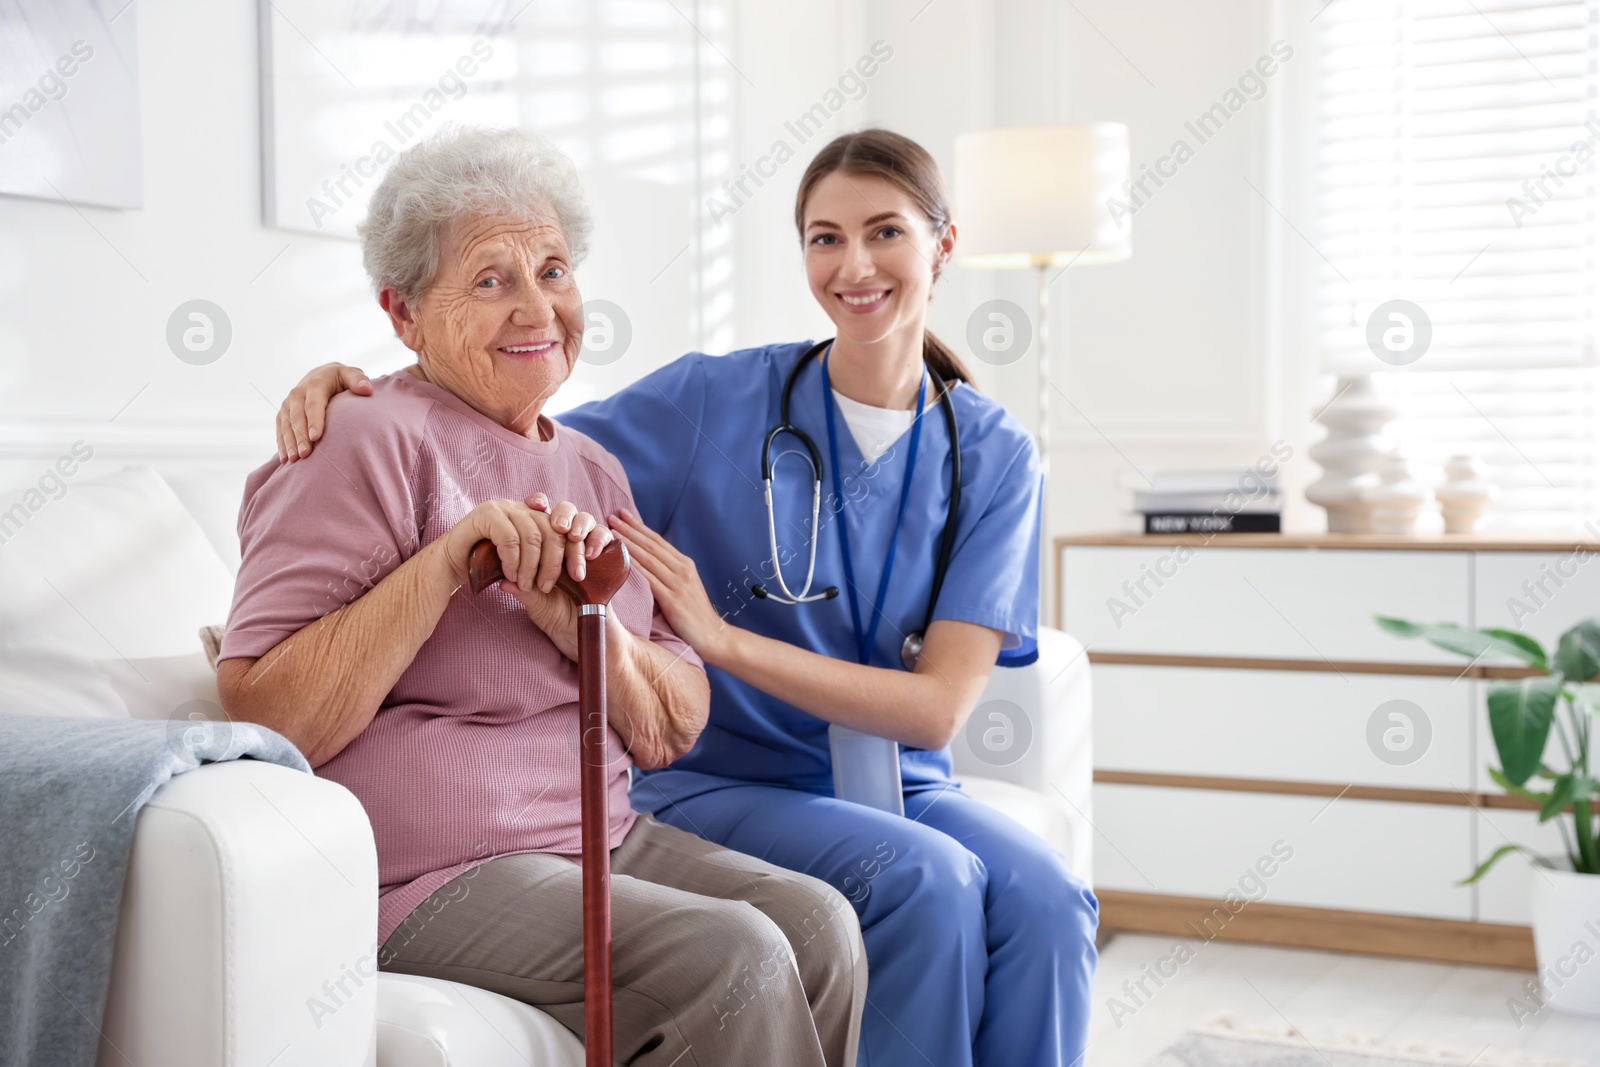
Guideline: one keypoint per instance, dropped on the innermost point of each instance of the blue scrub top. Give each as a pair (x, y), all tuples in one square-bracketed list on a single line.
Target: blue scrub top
[(689, 438)]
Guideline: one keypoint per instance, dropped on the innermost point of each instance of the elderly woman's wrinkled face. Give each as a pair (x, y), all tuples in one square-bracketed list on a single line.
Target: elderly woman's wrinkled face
[(501, 324)]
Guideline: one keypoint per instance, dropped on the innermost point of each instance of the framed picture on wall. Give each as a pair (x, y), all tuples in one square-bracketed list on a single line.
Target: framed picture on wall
[(69, 102), (349, 84)]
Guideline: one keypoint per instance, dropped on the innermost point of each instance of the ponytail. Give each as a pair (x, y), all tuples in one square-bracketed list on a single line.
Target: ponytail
[(943, 361)]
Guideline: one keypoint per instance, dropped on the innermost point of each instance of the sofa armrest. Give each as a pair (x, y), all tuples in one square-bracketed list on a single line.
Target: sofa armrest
[(248, 925), (1033, 727)]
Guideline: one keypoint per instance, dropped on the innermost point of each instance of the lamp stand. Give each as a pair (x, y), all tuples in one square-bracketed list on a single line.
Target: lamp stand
[(1042, 434), (1042, 324)]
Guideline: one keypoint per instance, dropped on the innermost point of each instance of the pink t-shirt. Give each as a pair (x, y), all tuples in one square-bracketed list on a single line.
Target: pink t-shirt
[(474, 752)]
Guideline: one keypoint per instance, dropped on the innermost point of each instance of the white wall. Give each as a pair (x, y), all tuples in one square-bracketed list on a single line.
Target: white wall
[(85, 293), (1173, 358), (1176, 357)]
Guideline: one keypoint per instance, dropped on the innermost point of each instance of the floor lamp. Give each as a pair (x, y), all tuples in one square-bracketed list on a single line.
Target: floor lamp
[(1043, 197)]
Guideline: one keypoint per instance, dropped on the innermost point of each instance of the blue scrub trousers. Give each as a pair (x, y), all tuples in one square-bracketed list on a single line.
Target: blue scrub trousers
[(980, 940)]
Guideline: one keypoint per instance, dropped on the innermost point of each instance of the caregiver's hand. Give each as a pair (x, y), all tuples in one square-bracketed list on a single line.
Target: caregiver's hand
[(533, 539), (301, 418), (675, 582)]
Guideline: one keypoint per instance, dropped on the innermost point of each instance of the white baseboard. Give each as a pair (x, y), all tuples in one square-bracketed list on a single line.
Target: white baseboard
[(131, 441)]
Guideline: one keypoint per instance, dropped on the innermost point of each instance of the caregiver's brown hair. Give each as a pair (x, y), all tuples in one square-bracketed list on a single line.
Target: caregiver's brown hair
[(904, 163)]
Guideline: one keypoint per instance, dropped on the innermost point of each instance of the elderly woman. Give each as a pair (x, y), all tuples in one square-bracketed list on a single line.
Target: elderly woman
[(454, 718)]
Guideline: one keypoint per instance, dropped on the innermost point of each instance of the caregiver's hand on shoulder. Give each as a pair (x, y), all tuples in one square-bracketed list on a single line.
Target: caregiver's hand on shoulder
[(675, 582), (301, 418)]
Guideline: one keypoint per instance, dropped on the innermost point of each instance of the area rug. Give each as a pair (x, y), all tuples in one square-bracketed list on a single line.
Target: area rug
[(1222, 1042)]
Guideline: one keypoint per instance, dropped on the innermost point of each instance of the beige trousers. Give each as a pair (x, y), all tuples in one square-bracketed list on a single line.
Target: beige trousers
[(717, 957)]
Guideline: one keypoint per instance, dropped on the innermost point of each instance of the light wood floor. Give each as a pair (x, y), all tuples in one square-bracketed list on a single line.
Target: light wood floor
[(1326, 995)]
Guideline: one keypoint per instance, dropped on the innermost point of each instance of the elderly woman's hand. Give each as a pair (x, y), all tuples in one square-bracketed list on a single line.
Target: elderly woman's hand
[(533, 540), (550, 609), (555, 613)]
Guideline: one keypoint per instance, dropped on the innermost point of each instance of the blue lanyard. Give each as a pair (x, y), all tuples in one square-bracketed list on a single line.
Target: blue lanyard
[(864, 641)]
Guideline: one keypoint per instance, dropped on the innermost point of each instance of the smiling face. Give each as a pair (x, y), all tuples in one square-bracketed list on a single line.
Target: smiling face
[(501, 324), (870, 254)]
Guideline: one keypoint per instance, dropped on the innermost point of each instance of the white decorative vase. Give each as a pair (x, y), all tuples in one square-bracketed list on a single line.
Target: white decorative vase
[(1465, 494), (1397, 499), (1351, 454), (1566, 936)]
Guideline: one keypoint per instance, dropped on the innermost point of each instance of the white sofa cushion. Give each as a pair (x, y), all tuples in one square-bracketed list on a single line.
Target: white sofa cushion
[(429, 1022), (1032, 729), (98, 584)]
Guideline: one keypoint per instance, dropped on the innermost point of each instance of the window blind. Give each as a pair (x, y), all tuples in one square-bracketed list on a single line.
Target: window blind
[(1457, 170)]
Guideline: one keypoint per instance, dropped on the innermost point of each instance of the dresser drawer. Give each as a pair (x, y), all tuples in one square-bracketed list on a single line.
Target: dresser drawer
[(1272, 603), (1354, 854), (1543, 594), (1401, 731), (1505, 894)]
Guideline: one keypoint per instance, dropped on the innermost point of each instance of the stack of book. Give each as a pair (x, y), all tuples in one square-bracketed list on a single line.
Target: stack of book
[(1211, 502)]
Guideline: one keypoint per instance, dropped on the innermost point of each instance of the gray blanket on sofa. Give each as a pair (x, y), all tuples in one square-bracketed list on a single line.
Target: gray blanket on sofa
[(70, 791)]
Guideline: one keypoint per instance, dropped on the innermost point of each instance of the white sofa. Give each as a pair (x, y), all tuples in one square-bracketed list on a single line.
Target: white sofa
[(246, 934)]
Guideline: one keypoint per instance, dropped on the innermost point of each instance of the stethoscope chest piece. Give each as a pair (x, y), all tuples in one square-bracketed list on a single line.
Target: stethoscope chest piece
[(911, 650)]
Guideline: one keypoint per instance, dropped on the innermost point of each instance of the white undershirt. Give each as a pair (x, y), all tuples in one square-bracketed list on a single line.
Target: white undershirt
[(874, 429)]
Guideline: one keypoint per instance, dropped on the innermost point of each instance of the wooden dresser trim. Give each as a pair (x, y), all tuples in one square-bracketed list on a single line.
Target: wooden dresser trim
[(1370, 933), (1324, 666), (1284, 787)]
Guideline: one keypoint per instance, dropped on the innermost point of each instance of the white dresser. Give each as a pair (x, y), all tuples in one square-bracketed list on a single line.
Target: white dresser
[(1272, 766)]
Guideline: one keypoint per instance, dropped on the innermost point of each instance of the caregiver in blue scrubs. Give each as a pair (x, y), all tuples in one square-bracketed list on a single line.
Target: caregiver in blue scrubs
[(980, 939)]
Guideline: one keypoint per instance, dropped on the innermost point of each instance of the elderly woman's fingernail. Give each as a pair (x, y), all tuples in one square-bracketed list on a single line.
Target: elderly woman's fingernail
[(546, 587)]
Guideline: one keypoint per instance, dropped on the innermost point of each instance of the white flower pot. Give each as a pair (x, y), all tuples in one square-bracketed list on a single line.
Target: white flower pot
[(1566, 936)]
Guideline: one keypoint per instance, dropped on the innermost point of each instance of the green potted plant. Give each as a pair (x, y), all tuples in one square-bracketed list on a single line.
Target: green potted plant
[(1563, 699)]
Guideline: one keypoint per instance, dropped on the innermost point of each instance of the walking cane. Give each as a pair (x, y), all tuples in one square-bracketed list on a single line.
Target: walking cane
[(603, 576)]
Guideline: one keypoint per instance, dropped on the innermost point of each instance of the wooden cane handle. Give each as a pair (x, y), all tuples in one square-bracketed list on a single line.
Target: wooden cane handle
[(603, 575)]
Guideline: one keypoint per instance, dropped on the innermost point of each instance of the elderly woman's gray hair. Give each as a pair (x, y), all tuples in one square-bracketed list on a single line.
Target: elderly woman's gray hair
[(461, 171)]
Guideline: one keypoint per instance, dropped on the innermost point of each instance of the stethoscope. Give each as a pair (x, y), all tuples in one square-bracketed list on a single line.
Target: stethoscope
[(911, 647)]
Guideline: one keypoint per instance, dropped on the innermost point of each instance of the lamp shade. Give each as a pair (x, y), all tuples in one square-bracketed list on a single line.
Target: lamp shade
[(1038, 195)]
